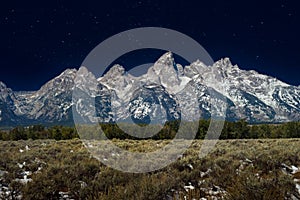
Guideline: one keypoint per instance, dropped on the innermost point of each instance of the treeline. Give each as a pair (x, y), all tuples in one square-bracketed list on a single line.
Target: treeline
[(39, 132), (242, 130), (231, 130)]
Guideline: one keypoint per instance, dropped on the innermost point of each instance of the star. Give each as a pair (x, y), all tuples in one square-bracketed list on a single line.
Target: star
[(251, 27)]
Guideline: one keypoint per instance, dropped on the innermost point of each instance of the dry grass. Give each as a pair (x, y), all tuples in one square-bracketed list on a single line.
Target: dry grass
[(235, 169)]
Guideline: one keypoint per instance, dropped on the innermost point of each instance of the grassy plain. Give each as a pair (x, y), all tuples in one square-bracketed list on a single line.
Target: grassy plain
[(234, 169)]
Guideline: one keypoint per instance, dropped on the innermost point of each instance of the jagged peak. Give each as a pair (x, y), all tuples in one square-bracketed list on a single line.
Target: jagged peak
[(225, 63), (195, 68), (116, 70), (165, 64), (198, 63), (166, 59), (2, 85), (180, 69), (68, 72), (4, 88), (84, 73), (82, 70)]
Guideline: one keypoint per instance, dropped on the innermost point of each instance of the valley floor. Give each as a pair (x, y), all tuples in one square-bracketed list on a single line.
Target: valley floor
[(234, 169)]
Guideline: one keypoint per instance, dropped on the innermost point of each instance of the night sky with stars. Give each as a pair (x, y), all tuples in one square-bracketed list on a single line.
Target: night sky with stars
[(39, 40)]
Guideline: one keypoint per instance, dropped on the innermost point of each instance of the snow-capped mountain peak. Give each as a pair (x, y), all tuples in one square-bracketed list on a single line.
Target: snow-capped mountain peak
[(195, 68), (166, 59), (85, 79), (225, 63), (65, 79), (68, 72), (164, 72), (2, 85), (82, 70), (5, 92), (115, 71)]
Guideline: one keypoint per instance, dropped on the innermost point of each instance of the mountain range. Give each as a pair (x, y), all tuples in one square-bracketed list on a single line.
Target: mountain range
[(154, 97)]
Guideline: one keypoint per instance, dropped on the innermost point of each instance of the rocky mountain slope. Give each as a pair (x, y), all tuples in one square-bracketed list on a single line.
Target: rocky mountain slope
[(168, 91)]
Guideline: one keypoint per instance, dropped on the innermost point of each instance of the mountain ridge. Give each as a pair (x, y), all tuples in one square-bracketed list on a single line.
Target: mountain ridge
[(247, 94)]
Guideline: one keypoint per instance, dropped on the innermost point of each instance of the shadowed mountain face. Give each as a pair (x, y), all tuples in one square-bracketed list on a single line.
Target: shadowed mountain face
[(159, 95)]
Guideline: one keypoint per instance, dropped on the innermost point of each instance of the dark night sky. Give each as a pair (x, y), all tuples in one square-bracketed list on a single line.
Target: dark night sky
[(40, 40)]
